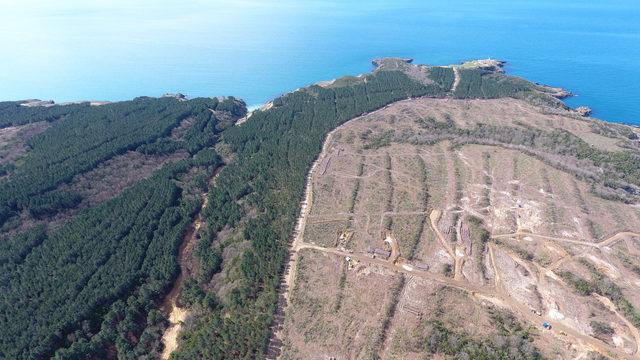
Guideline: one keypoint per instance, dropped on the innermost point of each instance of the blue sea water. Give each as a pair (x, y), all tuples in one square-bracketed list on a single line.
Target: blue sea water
[(256, 50)]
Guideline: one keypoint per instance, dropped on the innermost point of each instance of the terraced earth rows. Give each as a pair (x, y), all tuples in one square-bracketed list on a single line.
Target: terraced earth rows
[(494, 239)]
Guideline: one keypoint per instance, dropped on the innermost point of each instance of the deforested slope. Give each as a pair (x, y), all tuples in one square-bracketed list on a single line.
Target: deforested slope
[(530, 218)]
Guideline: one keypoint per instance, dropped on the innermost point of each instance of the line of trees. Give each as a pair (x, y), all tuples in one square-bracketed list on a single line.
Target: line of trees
[(88, 136), (559, 148)]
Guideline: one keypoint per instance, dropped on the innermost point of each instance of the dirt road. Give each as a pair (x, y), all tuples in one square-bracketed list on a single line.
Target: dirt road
[(489, 293), (176, 314), (456, 80), (607, 242), (288, 279)]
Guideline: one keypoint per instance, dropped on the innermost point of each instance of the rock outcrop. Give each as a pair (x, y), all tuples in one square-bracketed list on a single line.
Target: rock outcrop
[(485, 64), (583, 111), (556, 92), (391, 63), (178, 96), (37, 102)]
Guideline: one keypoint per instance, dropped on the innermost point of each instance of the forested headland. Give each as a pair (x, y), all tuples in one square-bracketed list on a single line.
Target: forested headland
[(87, 282), (258, 195)]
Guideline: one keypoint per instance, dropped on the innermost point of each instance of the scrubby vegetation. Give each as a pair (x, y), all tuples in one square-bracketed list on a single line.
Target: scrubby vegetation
[(521, 252), (479, 236), (512, 342), (389, 311), (602, 285), (424, 198), (628, 262), (356, 188), (601, 329), (620, 179), (388, 220)]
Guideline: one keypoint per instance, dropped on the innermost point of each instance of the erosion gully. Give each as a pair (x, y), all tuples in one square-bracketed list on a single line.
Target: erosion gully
[(176, 314)]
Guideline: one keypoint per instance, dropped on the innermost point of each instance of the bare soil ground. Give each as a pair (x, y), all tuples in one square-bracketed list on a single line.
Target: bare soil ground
[(13, 140), (105, 182), (327, 307), (114, 175), (348, 299)]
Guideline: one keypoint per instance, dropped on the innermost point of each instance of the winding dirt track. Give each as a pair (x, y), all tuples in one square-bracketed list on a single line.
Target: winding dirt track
[(176, 314), (607, 242), (493, 293), (456, 80), (489, 293)]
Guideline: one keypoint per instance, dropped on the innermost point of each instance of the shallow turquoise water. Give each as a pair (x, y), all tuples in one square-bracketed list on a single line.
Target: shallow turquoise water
[(114, 50)]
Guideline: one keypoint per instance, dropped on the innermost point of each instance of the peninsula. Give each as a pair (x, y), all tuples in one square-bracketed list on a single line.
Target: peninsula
[(414, 211)]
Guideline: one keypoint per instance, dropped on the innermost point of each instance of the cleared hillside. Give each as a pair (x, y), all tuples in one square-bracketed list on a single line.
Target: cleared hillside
[(452, 227)]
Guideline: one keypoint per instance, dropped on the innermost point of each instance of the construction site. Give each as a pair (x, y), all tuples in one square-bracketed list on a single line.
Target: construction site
[(401, 235)]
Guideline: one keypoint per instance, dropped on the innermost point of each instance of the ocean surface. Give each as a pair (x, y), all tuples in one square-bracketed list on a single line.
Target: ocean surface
[(258, 49)]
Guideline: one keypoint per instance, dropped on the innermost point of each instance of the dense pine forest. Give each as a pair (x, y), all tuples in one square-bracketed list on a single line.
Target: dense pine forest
[(89, 287), (87, 281)]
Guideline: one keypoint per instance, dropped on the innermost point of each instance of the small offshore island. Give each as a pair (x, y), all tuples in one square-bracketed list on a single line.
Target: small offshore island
[(414, 211)]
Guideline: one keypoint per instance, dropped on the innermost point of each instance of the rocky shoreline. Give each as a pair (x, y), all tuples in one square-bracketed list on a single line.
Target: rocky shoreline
[(49, 103), (493, 65)]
